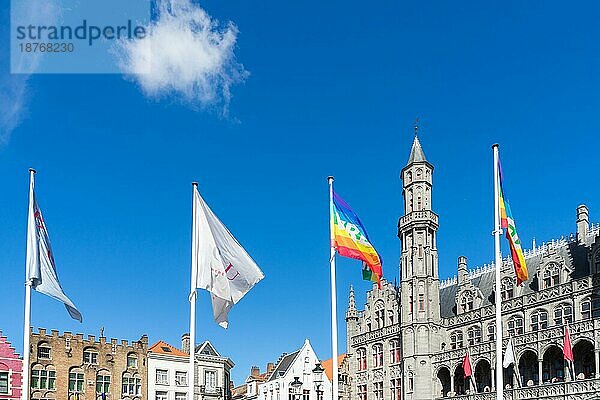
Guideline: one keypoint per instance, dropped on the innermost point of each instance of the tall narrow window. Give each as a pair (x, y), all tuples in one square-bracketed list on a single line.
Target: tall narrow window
[(3, 382), (362, 392), (395, 356), (210, 381), (362, 359), (396, 389), (102, 382), (491, 332), (378, 392), (507, 289), (378, 355), (76, 381), (466, 301), (586, 309)]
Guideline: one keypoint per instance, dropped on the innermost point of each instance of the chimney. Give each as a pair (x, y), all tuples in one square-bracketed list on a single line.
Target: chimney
[(254, 371), (583, 222), (270, 368), (463, 274), (185, 343)]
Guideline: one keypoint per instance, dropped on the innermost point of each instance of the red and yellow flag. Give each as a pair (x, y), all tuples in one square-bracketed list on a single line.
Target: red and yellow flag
[(508, 223)]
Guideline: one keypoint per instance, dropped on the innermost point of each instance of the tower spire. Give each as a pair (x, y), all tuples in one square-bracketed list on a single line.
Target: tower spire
[(351, 312), (416, 152)]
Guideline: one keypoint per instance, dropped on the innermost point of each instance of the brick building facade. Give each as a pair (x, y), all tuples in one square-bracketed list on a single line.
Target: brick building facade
[(69, 367), (11, 367)]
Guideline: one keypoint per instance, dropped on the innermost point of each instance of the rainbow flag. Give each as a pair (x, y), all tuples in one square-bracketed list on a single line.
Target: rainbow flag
[(507, 222), (350, 239)]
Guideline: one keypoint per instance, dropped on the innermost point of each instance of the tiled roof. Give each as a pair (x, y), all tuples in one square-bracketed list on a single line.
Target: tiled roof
[(572, 254), (283, 365), (161, 347), (328, 365)]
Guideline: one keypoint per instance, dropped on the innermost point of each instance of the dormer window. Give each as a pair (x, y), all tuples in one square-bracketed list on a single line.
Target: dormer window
[(466, 301), (551, 276), (507, 289), (380, 314)]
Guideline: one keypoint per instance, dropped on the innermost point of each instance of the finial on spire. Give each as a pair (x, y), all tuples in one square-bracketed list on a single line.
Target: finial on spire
[(416, 127)]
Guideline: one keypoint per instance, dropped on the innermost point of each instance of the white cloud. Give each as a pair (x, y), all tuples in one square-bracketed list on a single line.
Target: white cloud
[(186, 55)]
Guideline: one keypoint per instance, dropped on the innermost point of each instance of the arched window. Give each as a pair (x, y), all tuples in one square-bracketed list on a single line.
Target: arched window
[(507, 289), (132, 384), (379, 314), (43, 377), (90, 356), (103, 382), (132, 360), (456, 340), (515, 326), (362, 358), (409, 177), (419, 173), (466, 301), (474, 335), (491, 332), (44, 351), (586, 309), (563, 313), (377, 355), (75, 380), (539, 320), (395, 356), (551, 276)]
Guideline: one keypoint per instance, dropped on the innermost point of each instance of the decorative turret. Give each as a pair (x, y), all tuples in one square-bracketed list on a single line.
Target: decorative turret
[(351, 319), (463, 273), (583, 222)]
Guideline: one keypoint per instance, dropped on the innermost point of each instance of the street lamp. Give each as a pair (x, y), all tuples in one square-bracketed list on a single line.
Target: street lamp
[(295, 384), (318, 380)]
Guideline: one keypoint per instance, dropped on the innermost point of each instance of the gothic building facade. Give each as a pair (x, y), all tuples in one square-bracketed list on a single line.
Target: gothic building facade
[(410, 340)]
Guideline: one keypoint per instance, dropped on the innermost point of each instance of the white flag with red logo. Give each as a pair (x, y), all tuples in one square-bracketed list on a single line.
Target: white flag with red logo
[(41, 270), (220, 264)]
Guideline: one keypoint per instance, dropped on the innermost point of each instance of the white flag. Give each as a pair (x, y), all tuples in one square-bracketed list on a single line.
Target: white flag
[(222, 266), (41, 270), (509, 354)]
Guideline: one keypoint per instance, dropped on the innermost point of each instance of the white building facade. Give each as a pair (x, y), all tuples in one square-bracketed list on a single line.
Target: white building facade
[(297, 366), (168, 372)]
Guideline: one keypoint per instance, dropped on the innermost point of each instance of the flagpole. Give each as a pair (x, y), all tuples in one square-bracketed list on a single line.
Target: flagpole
[(498, 298), (193, 294), (27, 319), (334, 340)]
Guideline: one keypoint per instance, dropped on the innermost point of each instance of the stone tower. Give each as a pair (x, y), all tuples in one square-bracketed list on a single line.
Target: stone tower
[(420, 301)]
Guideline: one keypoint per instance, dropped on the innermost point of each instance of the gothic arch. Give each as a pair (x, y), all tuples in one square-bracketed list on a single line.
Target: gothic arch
[(444, 378), (483, 375), (553, 364), (583, 354), (528, 367)]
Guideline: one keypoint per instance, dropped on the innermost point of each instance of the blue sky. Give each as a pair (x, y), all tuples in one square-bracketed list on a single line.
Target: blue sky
[(333, 88)]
